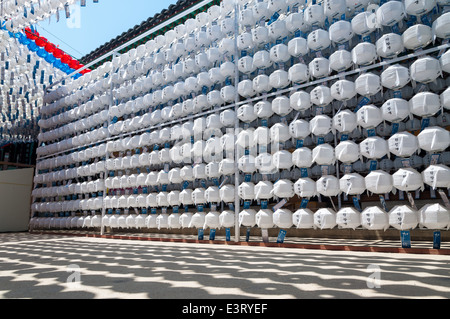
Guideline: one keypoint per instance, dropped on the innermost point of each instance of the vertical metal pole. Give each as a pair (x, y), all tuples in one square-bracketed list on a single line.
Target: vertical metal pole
[(236, 128), (106, 172)]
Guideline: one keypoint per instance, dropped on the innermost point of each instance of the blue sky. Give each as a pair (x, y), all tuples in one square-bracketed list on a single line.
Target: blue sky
[(98, 23)]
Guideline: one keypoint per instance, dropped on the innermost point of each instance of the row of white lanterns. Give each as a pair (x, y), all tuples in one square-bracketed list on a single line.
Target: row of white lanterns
[(402, 217)]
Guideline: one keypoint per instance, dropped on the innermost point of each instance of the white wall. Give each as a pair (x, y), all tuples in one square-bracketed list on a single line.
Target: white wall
[(15, 199)]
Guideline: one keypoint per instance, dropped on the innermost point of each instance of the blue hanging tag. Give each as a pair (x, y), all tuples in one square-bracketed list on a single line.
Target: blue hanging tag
[(406, 238), (203, 183), (200, 234), (200, 208), (425, 123), (248, 178), (153, 211), (320, 141), (216, 181), (281, 236), (371, 132), (356, 203), (304, 203), (437, 240), (247, 152), (383, 203), (185, 184), (227, 234), (426, 19), (247, 204), (144, 211), (212, 234), (247, 235), (264, 204), (364, 101), (398, 94), (373, 165), (395, 29), (304, 172), (300, 143), (344, 137), (395, 128)]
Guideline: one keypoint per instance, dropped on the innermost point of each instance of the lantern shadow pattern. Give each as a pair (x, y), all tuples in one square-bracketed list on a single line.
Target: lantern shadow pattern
[(36, 267)]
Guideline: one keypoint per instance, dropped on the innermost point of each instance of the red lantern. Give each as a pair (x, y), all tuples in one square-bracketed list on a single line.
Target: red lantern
[(73, 64), (58, 53), (50, 47), (41, 42), (66, 58)]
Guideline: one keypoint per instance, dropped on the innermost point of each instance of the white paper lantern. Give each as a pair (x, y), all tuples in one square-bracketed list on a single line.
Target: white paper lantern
[(318, 40), (403, 217), (328, 186), (374, 218), (379, 182), (434, 139), (198, 220), (325, 218), (374, 147), (299, 129), (420, 7), (185, 220), (323, 154), (395, 77), (395, 110), (226, 219), (305, 187), (321, 95), (303, 219), (343, 90), (407, 179), (247, 218), (340, 60), (302, 157), (282, 218), (227, 193), (364, 23), (283, 188), (389, 45), (261, 84), (298, 47), (263, 109), (279, 79), (368, 84), (321, 125), (344, 121), (261, 60), (341, 31), (445, 61), (434, 216), (425, 69), (282, 159), (390, 13), (246, 65), (348, 218), (403, 144), (295, 22), (279, 53), (264, 218), (441, 26), (314, 15), (417, 36), (298, 73), (279, 133), (212, 220), (352, 184), (347, 152), (425, 104), (319, 67), (437, 176), (263, 190)]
